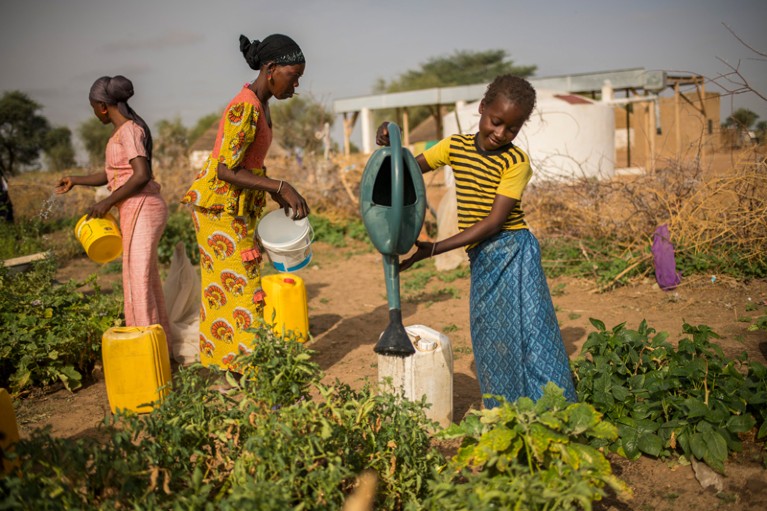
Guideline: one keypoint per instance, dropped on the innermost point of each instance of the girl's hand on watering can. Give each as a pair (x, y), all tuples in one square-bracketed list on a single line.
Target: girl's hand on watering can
[(382, 134), (423, 251), (290, 199)]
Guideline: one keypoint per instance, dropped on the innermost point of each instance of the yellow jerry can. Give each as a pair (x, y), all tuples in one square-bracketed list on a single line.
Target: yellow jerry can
[(136, 367), (9, 431), (285, 306)]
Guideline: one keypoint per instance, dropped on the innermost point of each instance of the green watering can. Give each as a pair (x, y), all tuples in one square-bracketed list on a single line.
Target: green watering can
[(393, 205)]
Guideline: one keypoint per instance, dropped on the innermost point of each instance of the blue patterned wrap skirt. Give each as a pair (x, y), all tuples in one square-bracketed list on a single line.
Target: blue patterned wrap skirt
[(515, 336)]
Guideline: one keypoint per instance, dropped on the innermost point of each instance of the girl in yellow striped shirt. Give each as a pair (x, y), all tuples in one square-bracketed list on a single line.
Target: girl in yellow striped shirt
[(516, 339)]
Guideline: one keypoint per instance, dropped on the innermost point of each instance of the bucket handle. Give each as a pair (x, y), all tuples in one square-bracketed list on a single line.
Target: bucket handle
[(311, 239)]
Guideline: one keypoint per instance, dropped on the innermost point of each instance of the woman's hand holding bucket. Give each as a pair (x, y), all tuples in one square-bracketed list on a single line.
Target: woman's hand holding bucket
[(289, 199), (100, 209)]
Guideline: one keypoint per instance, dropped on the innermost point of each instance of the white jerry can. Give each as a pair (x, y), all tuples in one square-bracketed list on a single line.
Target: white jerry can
[(428, 372)]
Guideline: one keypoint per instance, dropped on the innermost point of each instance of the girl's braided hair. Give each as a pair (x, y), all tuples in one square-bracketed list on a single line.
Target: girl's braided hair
[(514, 88)]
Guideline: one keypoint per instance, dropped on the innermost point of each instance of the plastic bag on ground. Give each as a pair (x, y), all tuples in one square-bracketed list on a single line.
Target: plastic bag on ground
[(182, 299), (663, 258)]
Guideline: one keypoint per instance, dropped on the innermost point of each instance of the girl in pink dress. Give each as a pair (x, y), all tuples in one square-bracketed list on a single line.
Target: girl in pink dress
[(142, 210)]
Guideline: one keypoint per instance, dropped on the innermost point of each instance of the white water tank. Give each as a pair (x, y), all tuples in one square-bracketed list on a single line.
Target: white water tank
[(567, 136)]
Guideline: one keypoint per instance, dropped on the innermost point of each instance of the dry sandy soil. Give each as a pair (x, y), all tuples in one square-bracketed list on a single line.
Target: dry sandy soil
[(348, 310)]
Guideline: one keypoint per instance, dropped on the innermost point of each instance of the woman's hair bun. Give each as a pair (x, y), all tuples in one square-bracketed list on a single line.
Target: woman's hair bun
[(249, 50), (120, 88)]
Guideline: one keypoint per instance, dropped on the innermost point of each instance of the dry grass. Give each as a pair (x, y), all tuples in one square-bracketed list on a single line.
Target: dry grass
[(721, 204), (725, 204)]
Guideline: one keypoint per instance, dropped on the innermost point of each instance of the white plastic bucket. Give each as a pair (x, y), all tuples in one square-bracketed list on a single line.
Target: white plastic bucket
[(287, 242)]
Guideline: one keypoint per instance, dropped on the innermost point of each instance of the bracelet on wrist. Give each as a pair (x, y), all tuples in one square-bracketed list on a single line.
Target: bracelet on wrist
[(279, 187), (433, 248)]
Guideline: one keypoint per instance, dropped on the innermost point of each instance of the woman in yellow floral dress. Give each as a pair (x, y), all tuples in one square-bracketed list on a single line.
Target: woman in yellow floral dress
[(228, 196)]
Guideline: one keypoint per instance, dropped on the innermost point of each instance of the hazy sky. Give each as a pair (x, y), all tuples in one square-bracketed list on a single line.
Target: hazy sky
[(184, 59)]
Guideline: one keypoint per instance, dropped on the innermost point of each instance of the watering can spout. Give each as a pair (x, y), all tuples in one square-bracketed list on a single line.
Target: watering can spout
[(394, 341)]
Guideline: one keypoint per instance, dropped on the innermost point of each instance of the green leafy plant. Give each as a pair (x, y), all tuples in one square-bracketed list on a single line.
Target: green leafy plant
[(51, 332), (261, 445), (335, 233), (689, 399), (527, 455)]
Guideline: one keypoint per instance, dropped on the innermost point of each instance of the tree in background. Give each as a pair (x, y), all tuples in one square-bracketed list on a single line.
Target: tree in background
[(740, 123), (58, 150), (742, 118), (171, 144), (297, 123), (95, 136), (761, 131), (22, 132), (460, 68)]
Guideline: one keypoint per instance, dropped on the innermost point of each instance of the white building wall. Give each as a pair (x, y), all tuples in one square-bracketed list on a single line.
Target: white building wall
[(564, 140)]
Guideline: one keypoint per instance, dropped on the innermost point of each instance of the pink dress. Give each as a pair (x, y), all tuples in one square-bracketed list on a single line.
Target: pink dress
[(142, 221)]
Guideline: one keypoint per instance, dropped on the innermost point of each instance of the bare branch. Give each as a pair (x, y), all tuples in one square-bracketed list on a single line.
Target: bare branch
[(743, 42)]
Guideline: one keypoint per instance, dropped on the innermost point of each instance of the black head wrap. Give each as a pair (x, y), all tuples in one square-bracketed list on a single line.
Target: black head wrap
[(276, 48), (116, 90)]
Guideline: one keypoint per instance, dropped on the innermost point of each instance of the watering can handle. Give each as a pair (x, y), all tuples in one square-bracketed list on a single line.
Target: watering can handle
[(398, 182)]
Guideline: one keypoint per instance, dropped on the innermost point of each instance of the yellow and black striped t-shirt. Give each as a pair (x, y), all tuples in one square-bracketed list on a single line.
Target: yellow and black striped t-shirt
[(480, 175)]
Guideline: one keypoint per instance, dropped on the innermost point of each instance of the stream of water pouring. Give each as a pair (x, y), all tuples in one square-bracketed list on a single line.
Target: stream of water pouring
[(48, 205)]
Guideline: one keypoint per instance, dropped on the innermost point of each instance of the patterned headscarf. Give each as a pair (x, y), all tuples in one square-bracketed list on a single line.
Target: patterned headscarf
[(116, 90), (276, 48)]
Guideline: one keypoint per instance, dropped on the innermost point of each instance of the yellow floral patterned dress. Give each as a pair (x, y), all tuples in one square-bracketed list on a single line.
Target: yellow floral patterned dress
[(225, 219)]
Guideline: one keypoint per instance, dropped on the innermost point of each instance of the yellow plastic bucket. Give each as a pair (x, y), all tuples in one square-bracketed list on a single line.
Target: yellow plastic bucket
[(100, 237)]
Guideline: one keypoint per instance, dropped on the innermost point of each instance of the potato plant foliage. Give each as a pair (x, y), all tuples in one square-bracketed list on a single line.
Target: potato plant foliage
[(50, 332), (689, 399), (528, 455)]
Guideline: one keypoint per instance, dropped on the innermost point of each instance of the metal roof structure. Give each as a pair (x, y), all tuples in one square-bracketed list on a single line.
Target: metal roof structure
[(634, 79)]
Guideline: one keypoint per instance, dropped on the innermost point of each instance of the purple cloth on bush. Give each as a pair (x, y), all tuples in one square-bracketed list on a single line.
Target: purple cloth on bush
[(663, 258)]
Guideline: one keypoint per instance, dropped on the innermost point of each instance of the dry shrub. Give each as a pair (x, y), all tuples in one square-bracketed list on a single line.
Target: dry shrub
[(33, 197), (724, 205), (175, 182), (330, 187)]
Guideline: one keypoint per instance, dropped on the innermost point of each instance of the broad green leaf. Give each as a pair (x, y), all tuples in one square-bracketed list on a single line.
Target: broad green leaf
[(716, 449), (551, 420), (497, 440), (698, 445), (604, 430), (695, 408), (651, 444), (540, 438), (646, 426), (620, 393), (580, 417), (762, 431), (599, 325), (741, 423), (629, 441)]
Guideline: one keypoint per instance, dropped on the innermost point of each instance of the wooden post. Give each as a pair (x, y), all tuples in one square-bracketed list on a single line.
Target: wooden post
[(703, 151), (677, 121), (405, 128), (349, 123), (651, 133)]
